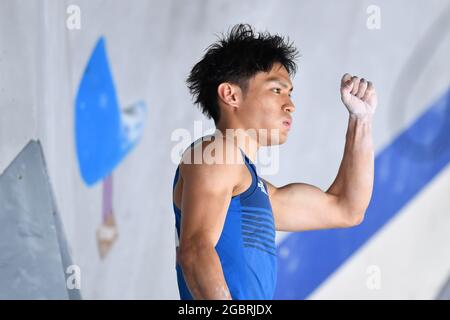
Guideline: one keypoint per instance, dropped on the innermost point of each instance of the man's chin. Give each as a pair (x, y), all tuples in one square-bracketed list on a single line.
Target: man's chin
[(282, 141), (278, 140)]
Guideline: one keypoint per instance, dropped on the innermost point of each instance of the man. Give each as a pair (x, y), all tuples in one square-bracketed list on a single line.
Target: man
[(226, 215)]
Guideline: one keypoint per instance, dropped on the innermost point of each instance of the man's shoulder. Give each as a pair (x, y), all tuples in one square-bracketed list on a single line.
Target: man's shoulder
[(212, 150), (213, 158)]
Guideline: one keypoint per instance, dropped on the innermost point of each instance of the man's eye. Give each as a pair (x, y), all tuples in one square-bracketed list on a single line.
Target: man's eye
[(276, 90)]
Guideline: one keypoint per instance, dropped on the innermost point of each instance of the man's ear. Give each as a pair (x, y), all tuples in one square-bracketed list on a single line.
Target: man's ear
[(230, 94)]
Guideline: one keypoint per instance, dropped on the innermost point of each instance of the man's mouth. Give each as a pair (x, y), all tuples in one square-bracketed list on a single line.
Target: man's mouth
[(287, 123)]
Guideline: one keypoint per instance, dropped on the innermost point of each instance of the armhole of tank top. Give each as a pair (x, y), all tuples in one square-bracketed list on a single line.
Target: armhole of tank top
[(251, 189), (175, 180), (177, 172)]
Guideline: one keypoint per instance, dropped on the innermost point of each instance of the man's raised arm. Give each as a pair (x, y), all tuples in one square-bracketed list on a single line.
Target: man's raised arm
[(300, 206)]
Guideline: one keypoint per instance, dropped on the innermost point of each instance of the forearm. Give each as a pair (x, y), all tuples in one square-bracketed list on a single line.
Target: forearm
[(354, 181), (203, 273)]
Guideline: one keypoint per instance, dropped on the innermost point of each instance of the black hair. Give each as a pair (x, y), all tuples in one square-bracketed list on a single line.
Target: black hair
[(236, 57)]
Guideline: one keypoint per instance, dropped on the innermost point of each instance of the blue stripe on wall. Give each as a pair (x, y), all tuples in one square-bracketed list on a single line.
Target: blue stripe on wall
[(402, 169)]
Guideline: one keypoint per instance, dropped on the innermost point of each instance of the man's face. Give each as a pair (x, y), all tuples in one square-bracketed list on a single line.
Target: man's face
[(267, 106)]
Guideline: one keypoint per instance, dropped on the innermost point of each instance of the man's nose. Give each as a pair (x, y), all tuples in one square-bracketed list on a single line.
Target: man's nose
[(289, 108)]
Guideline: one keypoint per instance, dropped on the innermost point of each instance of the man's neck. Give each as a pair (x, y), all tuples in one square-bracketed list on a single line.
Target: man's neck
[(242, 139)]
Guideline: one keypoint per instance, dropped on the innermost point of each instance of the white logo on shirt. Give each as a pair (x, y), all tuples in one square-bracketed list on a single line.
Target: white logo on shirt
[(261, 186)]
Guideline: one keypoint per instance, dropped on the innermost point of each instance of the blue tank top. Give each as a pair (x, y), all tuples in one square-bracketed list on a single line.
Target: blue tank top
[(246, 246)]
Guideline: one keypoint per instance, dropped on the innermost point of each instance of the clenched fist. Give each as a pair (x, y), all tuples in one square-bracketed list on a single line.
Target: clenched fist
[(358, 95)]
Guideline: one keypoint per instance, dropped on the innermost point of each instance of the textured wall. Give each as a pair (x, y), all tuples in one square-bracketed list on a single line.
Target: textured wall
[(150, 47)]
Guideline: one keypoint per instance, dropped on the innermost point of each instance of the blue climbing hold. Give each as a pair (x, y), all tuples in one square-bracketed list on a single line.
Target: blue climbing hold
[(104, 134)]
